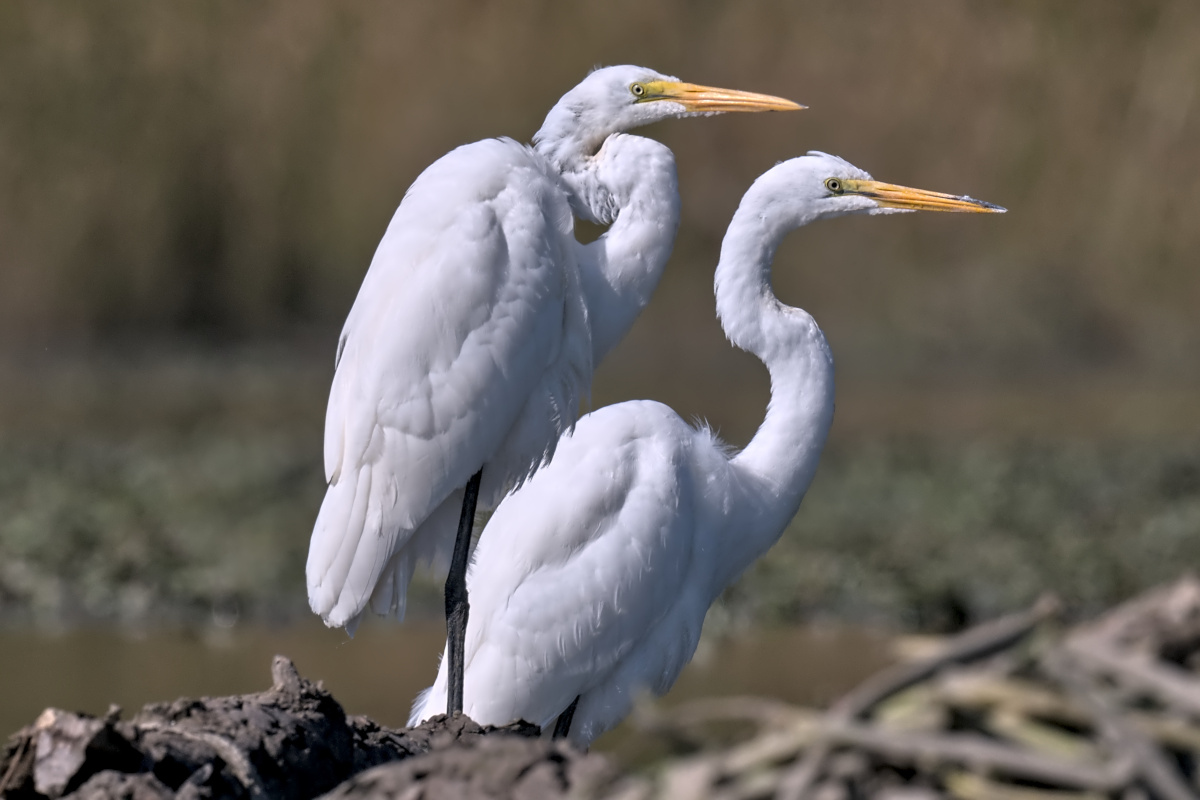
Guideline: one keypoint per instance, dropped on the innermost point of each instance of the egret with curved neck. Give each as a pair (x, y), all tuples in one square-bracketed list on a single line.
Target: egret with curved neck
[(632, 187), (592, 581), (476, 329)]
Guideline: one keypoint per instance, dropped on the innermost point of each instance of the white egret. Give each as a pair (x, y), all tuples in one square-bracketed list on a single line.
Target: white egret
[(475, 331), (591, 582)]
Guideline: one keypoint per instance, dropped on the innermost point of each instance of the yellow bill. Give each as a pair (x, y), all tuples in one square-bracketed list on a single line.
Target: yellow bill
[(889, 195), (710, 99)]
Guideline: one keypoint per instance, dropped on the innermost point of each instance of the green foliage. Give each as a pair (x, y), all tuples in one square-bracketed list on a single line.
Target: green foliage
[(934, 535), (908, 533), (155, 529)]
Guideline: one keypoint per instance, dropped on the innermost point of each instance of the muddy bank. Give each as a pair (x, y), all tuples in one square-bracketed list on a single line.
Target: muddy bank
[(291, 741), (1019, 708)]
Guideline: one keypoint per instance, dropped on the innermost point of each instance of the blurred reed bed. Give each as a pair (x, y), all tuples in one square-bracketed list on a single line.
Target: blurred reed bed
[(211, 528), (225, 169), (190, 501)]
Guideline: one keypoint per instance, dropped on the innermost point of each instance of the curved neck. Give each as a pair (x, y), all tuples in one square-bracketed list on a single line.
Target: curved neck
[(637, 193), (778, 465), (562, 140)]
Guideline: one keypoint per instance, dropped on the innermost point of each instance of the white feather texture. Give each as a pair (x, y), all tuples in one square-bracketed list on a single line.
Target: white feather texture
[(476, 329), (593, 580), (640, 521), (467, 346)]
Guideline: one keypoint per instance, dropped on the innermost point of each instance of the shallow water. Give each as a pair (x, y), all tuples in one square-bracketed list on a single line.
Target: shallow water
[(378, 672)]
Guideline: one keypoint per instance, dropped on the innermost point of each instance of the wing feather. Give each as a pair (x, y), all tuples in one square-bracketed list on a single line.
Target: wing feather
[(580, 565), (456, 325)]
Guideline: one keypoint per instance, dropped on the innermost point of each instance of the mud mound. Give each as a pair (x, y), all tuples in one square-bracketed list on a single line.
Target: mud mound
[(292, 741)]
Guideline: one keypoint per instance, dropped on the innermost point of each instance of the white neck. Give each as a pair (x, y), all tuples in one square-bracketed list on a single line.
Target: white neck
[(630, 183), (564, 140), (778, 465), (627, 182)]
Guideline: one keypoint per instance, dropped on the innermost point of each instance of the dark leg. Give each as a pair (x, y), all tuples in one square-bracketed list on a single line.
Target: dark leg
[(456, 598), (563, 726)]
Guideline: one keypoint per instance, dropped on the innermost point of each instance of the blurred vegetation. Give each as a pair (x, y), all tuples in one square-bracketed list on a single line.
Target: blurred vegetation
[(191, 192), (936, 536), (191, 530), (212, 526), (225, 169)]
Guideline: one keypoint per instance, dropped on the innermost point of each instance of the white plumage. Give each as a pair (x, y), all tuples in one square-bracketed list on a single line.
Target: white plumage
[(593, 579), (468, 345), (477, 326)]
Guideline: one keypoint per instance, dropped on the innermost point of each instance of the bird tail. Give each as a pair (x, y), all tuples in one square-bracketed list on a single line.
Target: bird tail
[(421, 710), (430, 701), (352, 548)]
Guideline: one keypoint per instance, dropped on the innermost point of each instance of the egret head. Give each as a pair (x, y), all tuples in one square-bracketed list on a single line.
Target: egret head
[(819, 185), (618, 99)]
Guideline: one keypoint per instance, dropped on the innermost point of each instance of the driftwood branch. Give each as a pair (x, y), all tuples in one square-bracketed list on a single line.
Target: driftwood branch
[(1170, 684), (984, 756), (1122, 736), (987, 718), (972, 645)]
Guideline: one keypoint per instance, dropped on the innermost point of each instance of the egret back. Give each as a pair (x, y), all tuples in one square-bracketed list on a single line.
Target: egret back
[(577, 572), (467, 347)]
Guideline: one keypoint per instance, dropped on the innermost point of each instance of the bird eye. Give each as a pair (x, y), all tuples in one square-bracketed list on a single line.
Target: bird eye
[(834, 185), (637, 89)]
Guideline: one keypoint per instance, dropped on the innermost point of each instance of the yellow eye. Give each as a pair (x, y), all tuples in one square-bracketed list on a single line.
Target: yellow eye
[(637, 89), (834, 185)]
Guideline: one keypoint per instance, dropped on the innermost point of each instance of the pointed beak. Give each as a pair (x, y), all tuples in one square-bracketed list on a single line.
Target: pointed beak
[(889, 195), (709, 99)]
